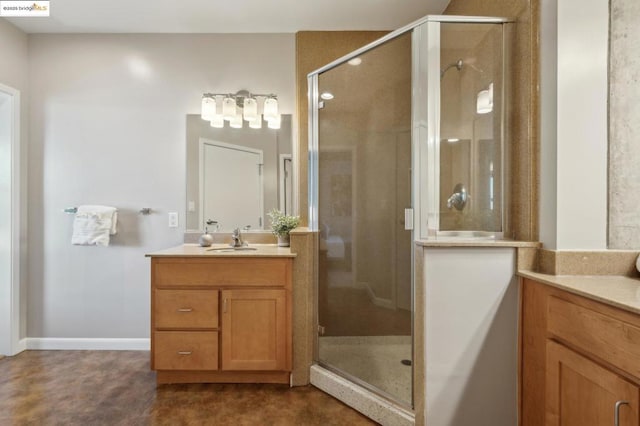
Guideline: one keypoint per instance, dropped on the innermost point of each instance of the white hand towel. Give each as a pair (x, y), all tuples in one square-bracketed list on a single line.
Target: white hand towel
[(93, 225)]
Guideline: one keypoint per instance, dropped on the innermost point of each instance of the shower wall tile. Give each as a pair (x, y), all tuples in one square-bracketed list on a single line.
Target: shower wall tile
[(315, 49), (523, 119), (624, 125), (304, 244), (527, 259), (604, 262)]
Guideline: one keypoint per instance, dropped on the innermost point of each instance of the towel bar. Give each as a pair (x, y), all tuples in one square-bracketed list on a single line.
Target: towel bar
[(73, 210)]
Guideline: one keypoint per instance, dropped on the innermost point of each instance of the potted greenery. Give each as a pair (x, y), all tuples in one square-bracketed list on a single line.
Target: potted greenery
[(281, 225)]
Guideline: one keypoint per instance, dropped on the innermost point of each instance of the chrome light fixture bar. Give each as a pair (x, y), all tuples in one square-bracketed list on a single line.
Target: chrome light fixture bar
[(238, 107)]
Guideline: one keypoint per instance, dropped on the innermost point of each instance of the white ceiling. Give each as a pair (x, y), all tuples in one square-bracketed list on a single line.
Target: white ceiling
[(227, 16)]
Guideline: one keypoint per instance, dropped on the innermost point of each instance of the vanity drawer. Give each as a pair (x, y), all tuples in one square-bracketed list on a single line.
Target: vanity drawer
[(186, 350), (181, 272), (606, 337), (186, 308)]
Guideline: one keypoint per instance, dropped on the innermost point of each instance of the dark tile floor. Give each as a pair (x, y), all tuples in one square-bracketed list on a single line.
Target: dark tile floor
[(117, 388)]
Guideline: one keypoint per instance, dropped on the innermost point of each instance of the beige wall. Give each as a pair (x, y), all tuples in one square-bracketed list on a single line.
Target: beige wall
[(523, 119), (624, 125), (108, 127)]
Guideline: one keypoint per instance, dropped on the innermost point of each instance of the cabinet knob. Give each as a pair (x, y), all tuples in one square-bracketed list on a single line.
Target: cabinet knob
[(185, 310), (184, 352), (616, 414)]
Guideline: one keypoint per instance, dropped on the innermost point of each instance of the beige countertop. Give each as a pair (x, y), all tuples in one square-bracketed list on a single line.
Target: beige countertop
[(194, 250), (619, 291), (477, 242)]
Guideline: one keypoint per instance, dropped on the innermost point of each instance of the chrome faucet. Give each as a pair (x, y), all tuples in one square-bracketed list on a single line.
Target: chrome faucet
[(236, 239)]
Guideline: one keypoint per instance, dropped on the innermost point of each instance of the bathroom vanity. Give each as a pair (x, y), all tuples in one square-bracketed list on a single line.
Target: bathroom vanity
[(221, 316), (580, 350)]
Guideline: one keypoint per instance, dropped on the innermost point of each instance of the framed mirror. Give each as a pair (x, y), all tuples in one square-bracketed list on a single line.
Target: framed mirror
[(236, 176)]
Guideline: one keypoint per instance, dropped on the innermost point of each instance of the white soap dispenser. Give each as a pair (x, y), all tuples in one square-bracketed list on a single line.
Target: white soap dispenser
[(205, 239)]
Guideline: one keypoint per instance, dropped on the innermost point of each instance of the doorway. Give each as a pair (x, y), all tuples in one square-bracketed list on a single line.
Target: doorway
[(9, 221), (230, 176)]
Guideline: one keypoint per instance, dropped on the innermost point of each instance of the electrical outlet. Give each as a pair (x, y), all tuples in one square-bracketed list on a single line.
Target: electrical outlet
[(173, 220)]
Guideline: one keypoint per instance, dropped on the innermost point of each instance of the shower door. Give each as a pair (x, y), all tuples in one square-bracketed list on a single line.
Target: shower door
[(364, 186)]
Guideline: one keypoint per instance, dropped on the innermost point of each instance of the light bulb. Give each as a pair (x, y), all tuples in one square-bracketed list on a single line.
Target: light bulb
[(208, 109), (250, 109), (274, 123), (217, 121), (236, 121), (228, 108), (270, 108), (257, 123)]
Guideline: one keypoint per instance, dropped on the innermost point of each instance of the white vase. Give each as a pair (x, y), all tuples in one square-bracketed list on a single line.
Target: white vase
[(283, 240)]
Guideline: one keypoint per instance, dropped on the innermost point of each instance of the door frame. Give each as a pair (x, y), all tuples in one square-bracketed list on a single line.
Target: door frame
[(10, 343), (259, 152)]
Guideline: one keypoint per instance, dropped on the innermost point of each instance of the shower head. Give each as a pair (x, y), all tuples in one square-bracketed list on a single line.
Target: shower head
[(457, 64)]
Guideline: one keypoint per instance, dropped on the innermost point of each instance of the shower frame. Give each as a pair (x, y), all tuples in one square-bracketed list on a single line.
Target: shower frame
[(425, 153)]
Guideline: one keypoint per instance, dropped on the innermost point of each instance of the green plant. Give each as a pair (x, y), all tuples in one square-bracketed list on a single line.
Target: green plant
[(282, 224)]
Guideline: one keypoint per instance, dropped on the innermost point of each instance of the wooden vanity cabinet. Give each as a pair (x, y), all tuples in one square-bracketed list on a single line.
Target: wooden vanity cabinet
[(218, 319), (580, 360)]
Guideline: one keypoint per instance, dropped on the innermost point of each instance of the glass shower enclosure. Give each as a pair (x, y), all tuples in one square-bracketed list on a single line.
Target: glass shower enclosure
[(407, 142)]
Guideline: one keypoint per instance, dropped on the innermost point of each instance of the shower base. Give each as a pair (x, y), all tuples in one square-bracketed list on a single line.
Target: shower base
[(368, 403), (376, 360)]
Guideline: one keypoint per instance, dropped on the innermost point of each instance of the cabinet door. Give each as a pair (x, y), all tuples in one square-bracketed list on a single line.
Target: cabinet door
[(581, 392), (254, 327)]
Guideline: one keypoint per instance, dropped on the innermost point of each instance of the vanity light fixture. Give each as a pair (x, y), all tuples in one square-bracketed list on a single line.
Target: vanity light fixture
[(228, 108), (256, 124), (274, 123), (270, 111), (484, 101), (217, 121), (220, 107), (327, 96), (236, 122), (208, 108), (453, 140)]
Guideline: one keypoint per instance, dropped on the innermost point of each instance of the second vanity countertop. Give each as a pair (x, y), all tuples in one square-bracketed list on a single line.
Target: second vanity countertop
[(194, 250), (619, 291)]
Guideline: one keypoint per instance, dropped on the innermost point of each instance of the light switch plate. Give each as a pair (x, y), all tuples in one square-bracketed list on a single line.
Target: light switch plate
[(191, 206), (173, 219)]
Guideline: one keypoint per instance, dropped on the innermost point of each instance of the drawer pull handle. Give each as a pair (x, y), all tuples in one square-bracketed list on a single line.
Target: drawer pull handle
[(184, 353), (224, 305), (616, 414), (185, 310)]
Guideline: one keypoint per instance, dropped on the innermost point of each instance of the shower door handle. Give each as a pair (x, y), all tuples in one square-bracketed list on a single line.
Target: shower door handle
[(408, 219)]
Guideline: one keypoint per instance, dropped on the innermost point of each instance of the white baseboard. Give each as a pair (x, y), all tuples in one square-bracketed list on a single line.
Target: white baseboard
[(86, 344), (378, 301), (22, 346)]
